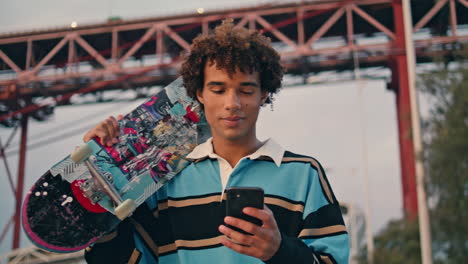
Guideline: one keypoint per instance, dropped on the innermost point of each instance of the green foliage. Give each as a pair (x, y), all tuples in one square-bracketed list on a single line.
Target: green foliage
[(446, 157), (397, 243)]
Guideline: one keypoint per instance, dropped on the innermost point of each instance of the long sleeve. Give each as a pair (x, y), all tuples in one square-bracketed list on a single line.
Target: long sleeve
[(323, 237), (115, 247), (131, 242)]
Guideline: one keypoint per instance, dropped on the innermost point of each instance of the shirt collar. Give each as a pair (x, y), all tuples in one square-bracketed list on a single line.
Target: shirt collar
[(269, 149)]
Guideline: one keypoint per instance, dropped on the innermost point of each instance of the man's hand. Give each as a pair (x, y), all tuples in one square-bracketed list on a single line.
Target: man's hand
[(264, 241), (107, 131)]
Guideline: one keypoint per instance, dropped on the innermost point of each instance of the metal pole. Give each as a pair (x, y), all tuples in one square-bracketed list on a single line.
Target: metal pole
[(423, 215), (365, 170), (365, 167), (353, 233), (20, 182)]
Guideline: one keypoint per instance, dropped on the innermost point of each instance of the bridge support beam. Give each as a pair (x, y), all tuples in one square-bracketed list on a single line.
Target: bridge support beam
[(20, 182), (400, 82)]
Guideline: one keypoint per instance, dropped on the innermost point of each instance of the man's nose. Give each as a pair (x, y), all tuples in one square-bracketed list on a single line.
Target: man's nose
[(232, 101)]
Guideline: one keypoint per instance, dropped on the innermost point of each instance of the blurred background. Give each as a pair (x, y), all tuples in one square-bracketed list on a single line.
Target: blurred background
[(376, 90)]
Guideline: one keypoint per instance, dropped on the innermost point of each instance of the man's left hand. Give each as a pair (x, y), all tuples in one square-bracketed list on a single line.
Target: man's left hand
[(264, 241)]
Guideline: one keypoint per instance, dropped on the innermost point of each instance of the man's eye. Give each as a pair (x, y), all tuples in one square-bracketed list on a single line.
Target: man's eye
[(217, 91), (247, 92)]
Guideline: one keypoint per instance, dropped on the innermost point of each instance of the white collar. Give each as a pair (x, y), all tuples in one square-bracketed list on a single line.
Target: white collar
[(269, 149)]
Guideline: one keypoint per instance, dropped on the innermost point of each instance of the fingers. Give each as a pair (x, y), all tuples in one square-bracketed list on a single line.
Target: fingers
[(264, 241), (87, 136), (107, 131), (266, 215), (112, 127), (236, 237), (248, 227), (262, 247), (250, 251)]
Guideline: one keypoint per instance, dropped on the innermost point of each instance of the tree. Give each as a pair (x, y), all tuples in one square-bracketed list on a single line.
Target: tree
[(446, 156), (397, 243)]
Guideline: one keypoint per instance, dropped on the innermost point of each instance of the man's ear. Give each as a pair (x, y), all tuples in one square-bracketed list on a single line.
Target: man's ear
[(200, 97), (264, 97)]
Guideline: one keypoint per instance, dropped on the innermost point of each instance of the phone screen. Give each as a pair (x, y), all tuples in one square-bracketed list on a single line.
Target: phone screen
[(237, 198)]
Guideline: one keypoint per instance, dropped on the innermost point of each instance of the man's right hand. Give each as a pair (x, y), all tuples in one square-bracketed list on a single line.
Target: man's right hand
[(107, 131)]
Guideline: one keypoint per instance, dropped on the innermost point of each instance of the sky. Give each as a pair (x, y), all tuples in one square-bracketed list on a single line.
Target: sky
[(24, 15), (325, 121)]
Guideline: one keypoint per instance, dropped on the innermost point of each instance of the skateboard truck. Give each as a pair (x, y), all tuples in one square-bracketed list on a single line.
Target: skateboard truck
[(124, 208)]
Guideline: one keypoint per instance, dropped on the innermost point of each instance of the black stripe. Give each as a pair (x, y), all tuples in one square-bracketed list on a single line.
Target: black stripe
[(190, 248), (106, 252), (201, 221), (289, 222), (167, 253), (185, 198), (190, 223), (265, 158), (289, 154), (330, 257), (201, 159), (146, 246), (145, 218), (292, 250), (285, 199), (190, 197), (326, 235), (319, 169), (327, 215), (328, 183)]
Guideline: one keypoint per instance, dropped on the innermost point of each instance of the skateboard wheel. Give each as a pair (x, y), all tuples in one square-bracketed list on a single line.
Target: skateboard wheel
[(125, 209), (81, 154)]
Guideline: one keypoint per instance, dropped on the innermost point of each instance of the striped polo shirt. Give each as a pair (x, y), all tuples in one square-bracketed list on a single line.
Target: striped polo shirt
[(180, 223)]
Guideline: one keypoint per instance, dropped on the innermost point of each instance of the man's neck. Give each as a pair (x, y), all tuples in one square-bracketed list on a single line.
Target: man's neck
[(233, 151)]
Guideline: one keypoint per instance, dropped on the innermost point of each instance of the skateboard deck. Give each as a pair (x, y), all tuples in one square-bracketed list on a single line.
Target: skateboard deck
[(77, 201)]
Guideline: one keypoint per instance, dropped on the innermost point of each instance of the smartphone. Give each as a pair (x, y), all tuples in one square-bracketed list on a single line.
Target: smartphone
[(239, 197)]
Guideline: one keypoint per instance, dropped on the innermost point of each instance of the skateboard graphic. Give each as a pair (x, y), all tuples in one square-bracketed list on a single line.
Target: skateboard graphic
[(85, 195)]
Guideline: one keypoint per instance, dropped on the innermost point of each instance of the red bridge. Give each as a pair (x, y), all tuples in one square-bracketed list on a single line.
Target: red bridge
[(311, 36)]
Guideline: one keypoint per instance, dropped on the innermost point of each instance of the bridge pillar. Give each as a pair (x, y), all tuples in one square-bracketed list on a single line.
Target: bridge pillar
[(20, 181), (400, 83)]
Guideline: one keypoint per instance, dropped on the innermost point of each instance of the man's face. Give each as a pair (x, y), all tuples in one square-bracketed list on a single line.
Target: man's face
[(231, 103)]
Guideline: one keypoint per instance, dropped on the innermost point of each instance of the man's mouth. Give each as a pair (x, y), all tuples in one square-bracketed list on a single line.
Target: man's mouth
[(232, 121), (233, 118)]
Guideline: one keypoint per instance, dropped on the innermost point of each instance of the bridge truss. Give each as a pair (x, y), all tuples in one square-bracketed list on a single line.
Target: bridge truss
[(41, 70)]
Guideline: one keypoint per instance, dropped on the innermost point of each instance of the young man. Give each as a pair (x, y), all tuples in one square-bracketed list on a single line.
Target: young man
[(232, 73)]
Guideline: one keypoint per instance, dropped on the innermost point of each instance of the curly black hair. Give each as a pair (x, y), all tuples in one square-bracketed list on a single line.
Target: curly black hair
[(233, 48)]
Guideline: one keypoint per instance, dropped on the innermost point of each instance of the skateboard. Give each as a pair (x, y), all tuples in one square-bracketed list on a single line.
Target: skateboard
[(87, 194)]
